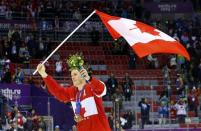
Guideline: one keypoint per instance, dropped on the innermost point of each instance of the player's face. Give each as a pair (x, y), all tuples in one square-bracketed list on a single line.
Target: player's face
[(76, 77)]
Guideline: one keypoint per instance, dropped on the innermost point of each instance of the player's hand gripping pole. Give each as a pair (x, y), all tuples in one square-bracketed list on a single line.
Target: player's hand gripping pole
[(66, 39)]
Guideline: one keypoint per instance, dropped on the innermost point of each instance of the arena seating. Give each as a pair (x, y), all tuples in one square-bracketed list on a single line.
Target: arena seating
[(104, 63)]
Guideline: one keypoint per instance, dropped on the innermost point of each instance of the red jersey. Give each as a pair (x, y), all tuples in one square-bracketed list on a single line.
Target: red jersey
[(173, 113), (92, 109)]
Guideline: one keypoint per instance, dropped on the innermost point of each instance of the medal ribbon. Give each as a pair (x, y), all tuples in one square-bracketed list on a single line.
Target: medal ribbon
[(78, 103)]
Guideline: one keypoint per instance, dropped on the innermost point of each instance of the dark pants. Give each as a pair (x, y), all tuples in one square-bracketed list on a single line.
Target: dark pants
[(193, 107), (180, 91), (127, 96), (181, 119), (145, 120)]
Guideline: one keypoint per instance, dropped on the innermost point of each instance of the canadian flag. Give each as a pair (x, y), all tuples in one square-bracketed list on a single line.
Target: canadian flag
[(143, 38)]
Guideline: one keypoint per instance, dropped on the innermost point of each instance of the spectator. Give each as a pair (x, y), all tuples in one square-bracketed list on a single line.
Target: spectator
[(173, 112), (19, 76), (1, 123), (1, 75), (127, 87), (4, 122), (163, 99), (14, 112), (7, 76), (180, 62), (125, 47), (20, 120), (176, 37), (181, 111), (6, 47), (41, 48), (1, 68), (185, 38), (132, 60), (2, 9), (163, 112), (31, 81), (195, 73), (41, 123), (14, 52), (56, 27), (31, 44), (10, 33), (124, 13), (8, 13), (26, 59), (111, 84), (15, 127), (180, 85), (11, 68), (47, 46), (21, 51), (59, 68), (198, 48), (28, 125), (117, 48), (2, 62), (118, 126), (153, 62), (130, 118), (145, 109), (123, 122), (95, 36), (16, 36), (77, 15), (7, 63), (44, 24), (57, 128), (118, 96), (193, 101), (191, 49), (127, 78), (31, 11), (56, 23), (166, 76), (173, 63), (35, 119), (199, 72), (84, 8), (56, 57), (1, 47)]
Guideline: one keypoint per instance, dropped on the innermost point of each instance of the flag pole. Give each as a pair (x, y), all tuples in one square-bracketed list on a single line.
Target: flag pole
[(66, 39)]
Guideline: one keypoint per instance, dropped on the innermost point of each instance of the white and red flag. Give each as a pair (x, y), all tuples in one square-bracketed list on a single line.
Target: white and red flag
[(144, 39)]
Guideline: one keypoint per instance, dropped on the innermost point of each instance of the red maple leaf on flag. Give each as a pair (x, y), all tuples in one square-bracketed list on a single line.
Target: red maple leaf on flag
[(145, 28), (160, 44)]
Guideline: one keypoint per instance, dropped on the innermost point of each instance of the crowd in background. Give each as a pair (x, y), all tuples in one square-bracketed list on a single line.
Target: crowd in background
[(16, 120), (8, 74), (14, 9), (185, 87)]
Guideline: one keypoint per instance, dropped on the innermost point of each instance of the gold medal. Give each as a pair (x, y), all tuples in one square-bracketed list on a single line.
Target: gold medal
[(78, 118)]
